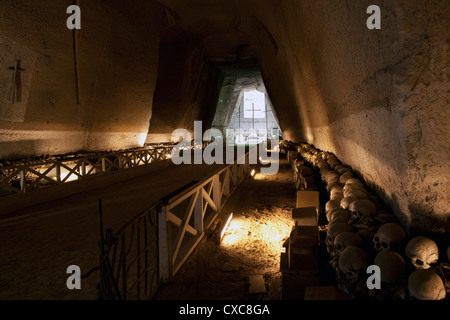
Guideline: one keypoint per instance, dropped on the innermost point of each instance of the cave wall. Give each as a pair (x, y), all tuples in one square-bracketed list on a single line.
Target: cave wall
[(187, 90), (117, 49), (378, 99)]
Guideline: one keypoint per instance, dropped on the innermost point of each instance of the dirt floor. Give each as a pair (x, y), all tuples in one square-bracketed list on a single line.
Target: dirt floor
[(252, 244)]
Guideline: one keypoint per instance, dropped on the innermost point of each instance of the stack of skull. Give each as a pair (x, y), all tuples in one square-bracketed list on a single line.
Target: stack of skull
[(362, 232)]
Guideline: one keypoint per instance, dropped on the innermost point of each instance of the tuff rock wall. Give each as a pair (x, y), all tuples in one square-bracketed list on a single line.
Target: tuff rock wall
[(117, 57), (378, 99)]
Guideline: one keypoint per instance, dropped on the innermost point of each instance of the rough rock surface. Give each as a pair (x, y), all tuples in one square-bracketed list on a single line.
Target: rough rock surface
[(378, 99)]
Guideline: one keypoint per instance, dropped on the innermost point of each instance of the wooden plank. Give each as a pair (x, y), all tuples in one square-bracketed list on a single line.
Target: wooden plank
[(199, 211), (177, 221), (217, 191), (209, 200), (232, 175), (185, 251), (163, 241), (226, 184), (42, 175), (184, 224)]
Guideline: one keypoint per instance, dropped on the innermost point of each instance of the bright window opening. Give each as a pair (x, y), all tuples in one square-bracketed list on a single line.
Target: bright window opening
[(254, 105)]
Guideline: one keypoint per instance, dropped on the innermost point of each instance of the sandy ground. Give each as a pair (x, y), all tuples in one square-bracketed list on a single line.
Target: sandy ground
[(252, 244)]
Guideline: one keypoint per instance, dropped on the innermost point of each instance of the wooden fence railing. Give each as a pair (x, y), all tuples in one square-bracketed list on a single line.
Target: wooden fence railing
[(186, 216), (26, 177), (151, 248), (129, 268)]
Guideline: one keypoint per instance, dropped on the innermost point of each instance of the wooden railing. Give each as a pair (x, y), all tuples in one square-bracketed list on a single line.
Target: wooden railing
[(151, 248), (26, 177), (129, 268), (186, 216)]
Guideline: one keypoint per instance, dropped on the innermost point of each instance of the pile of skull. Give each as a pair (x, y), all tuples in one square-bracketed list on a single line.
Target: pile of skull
[(362, 232)]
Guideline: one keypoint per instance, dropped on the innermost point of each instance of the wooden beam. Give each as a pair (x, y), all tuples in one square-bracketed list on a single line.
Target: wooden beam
[(209, 200), (199, 211), (177, 221), (163, 241), (184, 224)]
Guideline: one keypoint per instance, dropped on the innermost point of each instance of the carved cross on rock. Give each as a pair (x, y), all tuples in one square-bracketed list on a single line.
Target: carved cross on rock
[(16, 88)]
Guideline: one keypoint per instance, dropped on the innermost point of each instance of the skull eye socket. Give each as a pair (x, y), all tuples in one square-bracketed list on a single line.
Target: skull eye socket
[(385, 245), (419, 262)]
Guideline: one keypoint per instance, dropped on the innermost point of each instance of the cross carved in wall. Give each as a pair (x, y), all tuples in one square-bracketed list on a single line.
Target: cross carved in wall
[(16, 89)]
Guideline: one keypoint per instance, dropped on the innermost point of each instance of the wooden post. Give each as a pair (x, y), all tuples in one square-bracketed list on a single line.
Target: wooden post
[(216, 192), (23, 184), (83, 168), (226, 183), (198, 212), (119, 158), (163, 241), (58, 172)]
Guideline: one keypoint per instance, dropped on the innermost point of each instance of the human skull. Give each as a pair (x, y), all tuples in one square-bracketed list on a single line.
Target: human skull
[(345, 176), (357, 193), (422, 251), (346, 201), (344, 240), (324, 171), (336, 195), (391, 264), (336, 187), (354, 181), (341, 169), (389, 236), (332, 232), (338, 220), (333, 161), (332, 204), (330, 213), (325, 155), (362, 207), (352, 261), (352, 186), (340, 214), (321, 164), (331, 177), (426, 285), (384, 217)]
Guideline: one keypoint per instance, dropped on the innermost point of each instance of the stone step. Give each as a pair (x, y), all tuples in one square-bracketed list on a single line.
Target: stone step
[(308, 199), (305, 231), (306, 216)]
